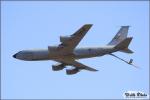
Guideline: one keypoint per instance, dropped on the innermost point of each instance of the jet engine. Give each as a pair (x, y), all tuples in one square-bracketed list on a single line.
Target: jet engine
[(72, 71), (58, 67), (64, 38)]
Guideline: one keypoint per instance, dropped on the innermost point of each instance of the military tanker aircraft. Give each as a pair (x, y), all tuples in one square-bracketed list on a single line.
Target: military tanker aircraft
[(66, 53)]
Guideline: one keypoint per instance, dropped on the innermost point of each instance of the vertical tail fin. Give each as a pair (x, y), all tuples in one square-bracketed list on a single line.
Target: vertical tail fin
[(121, 41), (120, 36)]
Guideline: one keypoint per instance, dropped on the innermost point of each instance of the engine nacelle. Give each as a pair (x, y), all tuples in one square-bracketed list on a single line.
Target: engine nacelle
[(64, 38), (72, 71), (58, 67)]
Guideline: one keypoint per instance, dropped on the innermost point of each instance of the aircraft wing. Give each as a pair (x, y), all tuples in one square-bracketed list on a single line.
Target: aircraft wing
[(80, 65), (69, 43), (77, 64)]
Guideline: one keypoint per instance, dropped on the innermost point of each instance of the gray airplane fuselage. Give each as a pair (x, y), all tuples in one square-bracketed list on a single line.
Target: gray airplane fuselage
[(78, 53)]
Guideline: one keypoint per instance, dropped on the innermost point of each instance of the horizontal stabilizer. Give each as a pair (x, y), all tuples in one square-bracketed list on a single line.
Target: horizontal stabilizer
[(124, 44), (127, 51)]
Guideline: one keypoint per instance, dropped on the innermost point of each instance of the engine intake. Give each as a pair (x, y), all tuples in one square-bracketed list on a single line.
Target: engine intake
[(64, 38), (72, 71), (58, 67)]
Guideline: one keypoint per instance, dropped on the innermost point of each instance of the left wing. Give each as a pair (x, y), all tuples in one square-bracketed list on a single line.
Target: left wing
[(76, 64), (70, 42)]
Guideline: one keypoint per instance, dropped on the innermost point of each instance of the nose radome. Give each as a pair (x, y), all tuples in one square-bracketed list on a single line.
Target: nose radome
[(14, 55)]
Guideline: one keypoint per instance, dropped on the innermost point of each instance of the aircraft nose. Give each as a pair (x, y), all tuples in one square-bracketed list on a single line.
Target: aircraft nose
[(14, 55)]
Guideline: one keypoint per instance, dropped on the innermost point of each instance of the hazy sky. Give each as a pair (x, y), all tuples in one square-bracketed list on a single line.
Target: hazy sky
[(27, 25)]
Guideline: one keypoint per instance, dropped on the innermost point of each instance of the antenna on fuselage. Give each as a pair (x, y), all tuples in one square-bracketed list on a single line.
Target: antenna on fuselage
[(128, 62)]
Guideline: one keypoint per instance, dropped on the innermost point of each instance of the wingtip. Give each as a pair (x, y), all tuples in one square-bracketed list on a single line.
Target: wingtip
[(88, 24), (94, 70), (126, 26), (91, 69)]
